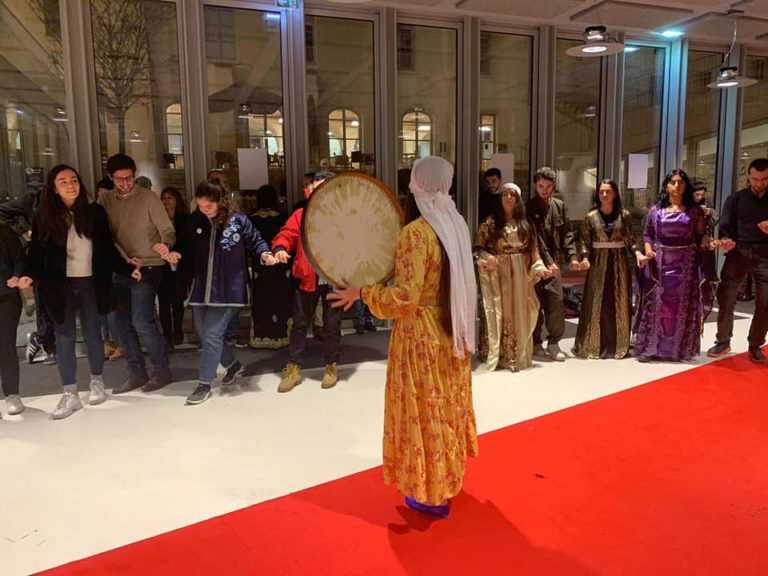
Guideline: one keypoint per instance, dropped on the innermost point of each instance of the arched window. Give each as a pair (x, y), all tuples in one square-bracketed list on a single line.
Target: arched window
[(416, 133), (173, 129), (343, 133), (266, 131)]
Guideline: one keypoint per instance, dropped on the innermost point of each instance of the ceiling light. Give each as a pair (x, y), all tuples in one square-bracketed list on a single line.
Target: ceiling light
[(135, 137), (60, 115), (630, 49), (728, 76), (672, 33), (47, 151), (596, 43)]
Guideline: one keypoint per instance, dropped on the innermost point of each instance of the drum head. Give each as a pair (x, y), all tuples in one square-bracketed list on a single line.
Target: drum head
[(350, 228)]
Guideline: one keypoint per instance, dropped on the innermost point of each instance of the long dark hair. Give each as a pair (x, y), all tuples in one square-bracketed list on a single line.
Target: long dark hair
[(688, 200), (617, 207), (412, 213), (181, 205), (53, 219), (500, 218), (214, 191)]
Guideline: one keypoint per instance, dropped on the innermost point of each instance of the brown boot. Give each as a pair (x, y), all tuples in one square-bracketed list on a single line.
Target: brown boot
[(160, 379), (133, 382)]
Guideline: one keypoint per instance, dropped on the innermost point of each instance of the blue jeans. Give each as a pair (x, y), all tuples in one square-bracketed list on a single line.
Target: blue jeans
[(211, 324), (80, 300), (362, 313), (135, 316)]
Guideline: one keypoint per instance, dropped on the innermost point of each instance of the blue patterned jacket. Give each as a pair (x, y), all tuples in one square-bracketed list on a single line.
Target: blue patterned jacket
[(218, 259)]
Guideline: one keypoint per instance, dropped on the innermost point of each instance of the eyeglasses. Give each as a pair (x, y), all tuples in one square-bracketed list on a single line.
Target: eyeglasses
[(123, 180)]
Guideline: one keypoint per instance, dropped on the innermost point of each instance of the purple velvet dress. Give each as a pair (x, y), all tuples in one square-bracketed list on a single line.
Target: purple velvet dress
[(671, 310)]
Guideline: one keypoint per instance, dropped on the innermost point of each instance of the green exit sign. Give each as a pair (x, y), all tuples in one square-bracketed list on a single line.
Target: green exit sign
[(287, 3)]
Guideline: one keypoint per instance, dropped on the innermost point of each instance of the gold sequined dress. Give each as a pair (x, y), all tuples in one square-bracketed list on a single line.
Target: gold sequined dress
[(429, 421), (509, 298), (606, 310)]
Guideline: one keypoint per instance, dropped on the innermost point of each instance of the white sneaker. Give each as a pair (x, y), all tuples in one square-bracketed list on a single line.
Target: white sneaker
[(97, 395), (15, 405), (69, 403), (555, 353)]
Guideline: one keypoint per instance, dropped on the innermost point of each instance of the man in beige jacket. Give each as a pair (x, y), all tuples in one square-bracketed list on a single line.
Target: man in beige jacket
[(144, 235)]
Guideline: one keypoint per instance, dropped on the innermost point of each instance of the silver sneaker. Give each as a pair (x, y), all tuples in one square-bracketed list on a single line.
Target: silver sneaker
[(554, 352), (15, 405), (68, 405), (97, 395)]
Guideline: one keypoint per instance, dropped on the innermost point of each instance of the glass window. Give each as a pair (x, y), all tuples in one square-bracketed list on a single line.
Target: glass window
[(266, 131), (343, 135), (136, 55), (245, 99), (34, 128), (416, 133), (639, 177), (340, 101), (702, 114), (505, 101), (577, 110), (754, 123), (426, 97), (173, 128)]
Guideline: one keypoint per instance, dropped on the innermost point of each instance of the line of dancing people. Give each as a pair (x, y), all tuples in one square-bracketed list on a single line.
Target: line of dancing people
[(130, 247), (519, 250)]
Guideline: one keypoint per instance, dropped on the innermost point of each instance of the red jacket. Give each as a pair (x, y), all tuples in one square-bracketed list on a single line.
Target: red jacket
[(289, 239)]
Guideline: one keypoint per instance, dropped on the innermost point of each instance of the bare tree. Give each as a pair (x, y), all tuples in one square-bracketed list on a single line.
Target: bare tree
[(121, 56)]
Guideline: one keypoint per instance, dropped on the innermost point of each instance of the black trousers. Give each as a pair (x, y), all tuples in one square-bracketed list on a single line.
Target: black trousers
[(10, 312), (745, 258), (551, 311), (304, 304), (171, 294)]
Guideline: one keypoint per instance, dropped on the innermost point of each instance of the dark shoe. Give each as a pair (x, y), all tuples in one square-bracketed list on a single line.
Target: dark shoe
[(436, 511), (370, 328), (232, 372), (160, 379), (360, 329), (745, 297), (178, 338), (33, 346), (644, 359), (757, 355), (50, 359), (200, 395), (132, 383), (719, 349)]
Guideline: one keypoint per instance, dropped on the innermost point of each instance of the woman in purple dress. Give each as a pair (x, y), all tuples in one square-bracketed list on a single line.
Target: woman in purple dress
[(672, 306)]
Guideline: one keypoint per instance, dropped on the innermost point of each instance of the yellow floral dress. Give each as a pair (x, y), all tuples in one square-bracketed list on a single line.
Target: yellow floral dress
[(429, 421)]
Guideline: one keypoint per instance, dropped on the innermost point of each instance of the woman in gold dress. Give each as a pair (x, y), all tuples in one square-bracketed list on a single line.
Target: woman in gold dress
[(607, 242), (429, 421), (509, 266)]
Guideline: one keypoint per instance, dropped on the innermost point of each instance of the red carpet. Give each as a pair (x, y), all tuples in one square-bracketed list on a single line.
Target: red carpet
[(665, 479)]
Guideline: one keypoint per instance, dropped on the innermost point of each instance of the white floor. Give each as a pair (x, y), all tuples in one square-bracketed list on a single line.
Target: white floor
[(140, 465)]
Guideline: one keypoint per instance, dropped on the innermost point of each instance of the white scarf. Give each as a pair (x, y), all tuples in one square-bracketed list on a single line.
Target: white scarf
[(431, 179)]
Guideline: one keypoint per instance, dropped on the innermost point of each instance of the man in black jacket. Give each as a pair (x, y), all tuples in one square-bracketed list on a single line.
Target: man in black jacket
[(744, 235), (556, 245)]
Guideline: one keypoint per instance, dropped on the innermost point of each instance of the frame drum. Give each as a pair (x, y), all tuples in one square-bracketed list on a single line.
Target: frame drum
[(350, 229)]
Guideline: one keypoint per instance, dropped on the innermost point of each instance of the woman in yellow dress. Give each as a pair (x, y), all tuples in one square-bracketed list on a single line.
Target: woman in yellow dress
[(509, 266), (429, 420)]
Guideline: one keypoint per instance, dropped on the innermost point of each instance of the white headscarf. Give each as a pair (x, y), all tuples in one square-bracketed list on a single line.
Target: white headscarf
[(431, 179)]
